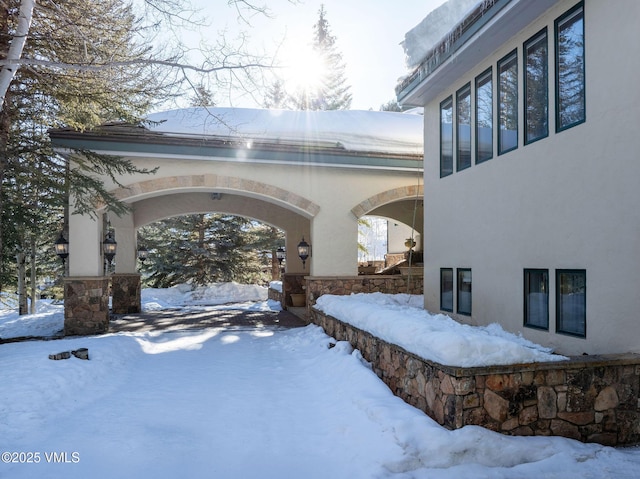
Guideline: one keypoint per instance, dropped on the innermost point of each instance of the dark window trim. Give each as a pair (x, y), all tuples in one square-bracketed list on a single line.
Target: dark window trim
[(558, 330), (443, 103), (442, 308), (525, 110), (571, 12), (461, 93), (506, 59), (481, 80), (525, 299), (464, 313)]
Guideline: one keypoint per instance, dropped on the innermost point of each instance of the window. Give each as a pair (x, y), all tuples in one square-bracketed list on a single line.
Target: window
[(464, 291), (570, 83), (446, 137), (463, 127), (536, 88), (571, 302), (484, 116), (508, 103), (446, 289), (536, 298)]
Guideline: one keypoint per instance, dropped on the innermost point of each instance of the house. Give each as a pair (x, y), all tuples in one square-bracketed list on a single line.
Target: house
[(531, 195)]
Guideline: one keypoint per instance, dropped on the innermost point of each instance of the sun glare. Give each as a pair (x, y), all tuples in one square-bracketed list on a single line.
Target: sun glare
[(304, 69)]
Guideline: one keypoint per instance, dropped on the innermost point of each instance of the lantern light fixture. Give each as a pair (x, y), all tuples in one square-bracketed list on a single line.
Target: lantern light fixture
[(109, 246), (61, 247), (304, 250), (143, 254)]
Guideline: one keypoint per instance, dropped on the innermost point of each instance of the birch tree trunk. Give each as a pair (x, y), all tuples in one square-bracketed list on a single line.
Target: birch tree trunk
[(11, 62)]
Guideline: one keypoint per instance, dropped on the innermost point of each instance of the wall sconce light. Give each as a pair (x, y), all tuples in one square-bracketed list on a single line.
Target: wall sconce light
[(109, 246), (143, 254), (61, 247), (304, 249), (281, 255)]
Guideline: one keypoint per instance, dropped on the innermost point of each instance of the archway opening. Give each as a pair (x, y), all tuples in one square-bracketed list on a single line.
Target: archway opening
[(205, 248)]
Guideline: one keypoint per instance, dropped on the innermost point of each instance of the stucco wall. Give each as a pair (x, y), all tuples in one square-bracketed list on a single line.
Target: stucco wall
[(566, 201)]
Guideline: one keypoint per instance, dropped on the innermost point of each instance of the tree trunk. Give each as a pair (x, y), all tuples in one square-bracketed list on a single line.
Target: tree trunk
[(14, 52), (33, 287), (21, 260), (275, 266)]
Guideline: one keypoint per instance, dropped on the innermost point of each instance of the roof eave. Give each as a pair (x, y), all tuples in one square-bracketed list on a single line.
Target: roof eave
[(478, 35)]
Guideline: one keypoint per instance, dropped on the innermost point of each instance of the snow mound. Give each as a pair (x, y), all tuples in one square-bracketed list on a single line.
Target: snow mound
[(401, 320)]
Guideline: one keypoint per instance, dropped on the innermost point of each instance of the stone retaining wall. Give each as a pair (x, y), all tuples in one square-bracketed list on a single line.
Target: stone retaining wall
[(588, 398), (389, 284)]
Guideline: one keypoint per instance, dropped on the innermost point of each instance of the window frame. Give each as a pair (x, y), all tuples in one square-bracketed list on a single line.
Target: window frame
[(480, 81), (461, 94), (527, 48), (442, 291), (559, 309), (510, 59), (458, 289), (447, 101), (576, 10), (526, 292)]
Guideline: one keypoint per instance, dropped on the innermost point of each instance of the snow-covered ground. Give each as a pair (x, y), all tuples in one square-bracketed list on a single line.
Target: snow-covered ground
[(250, 404)]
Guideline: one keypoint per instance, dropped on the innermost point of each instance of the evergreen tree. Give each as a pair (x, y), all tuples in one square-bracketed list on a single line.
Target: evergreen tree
[(333, 91), (207, 248), (35, 181), (277, 96), (330, 90)]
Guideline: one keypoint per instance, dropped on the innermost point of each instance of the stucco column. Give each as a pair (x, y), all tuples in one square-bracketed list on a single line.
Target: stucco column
[(85, 243), (125, 282), (86, 289), (334, 244), (125, 235)]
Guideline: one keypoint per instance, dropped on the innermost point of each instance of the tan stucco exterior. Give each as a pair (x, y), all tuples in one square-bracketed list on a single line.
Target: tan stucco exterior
[(567, 201), (318, 201)]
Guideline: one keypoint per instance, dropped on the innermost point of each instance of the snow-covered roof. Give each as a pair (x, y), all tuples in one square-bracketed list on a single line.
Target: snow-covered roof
[(352, 130), (419, 41)]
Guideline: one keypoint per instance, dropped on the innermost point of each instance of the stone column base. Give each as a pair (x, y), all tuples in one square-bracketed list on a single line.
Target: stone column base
[(125, 292), (86, 305)]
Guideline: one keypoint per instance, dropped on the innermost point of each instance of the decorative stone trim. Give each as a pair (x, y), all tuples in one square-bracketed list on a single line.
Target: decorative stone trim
[(306, 207), (126, 293), (588, 398), (86, 305), (387, 197)]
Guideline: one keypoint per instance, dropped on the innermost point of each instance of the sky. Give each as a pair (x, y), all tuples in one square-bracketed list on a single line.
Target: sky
[(253, 403), (368, 34)]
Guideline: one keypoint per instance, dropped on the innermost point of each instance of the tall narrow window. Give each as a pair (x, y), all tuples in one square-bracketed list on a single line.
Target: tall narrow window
[(463, 127), (536, 88), (571, 302), (508, 103), (446, 289), (570, 82), (464, 291), (446, 137), (484, 116), (536, 298)]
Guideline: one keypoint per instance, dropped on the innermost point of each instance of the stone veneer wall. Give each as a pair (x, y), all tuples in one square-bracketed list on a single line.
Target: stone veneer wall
[(390, 284), (86, 305), (588, 398), (126, 293), (275, 295)]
